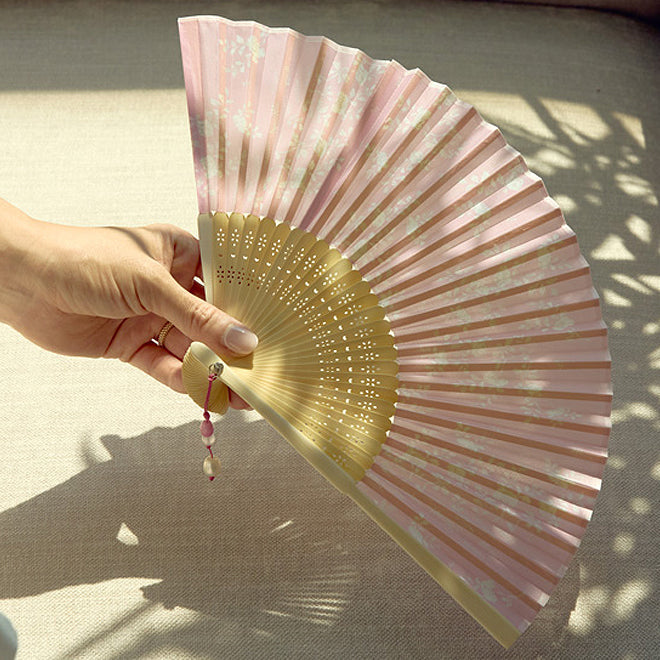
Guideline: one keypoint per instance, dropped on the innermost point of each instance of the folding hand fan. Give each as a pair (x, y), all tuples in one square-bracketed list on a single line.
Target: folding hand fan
[(429, 336)]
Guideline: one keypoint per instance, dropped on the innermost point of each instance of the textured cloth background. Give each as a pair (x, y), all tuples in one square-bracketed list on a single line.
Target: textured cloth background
[(112, 543)]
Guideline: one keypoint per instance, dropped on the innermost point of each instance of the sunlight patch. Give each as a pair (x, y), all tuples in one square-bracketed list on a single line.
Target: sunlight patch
[(590, 603), (632, 126), (613, 249), (634, 410), (623, 544), (640, 505), (582, 122), (652, 281), (639, 228), (632, 283), (615, 299), (126, 536), (628, 598), (507, 111), (635, 186), (566, 203), (617, 462)]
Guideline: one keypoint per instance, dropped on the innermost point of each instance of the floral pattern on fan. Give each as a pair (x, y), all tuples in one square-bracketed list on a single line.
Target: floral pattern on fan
[(490, 468)]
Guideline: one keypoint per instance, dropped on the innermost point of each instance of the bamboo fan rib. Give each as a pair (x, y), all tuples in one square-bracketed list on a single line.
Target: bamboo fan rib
[(326, 360), (430, 337)]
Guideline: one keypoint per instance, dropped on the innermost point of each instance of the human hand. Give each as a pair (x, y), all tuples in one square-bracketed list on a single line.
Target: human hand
[(107, 291)]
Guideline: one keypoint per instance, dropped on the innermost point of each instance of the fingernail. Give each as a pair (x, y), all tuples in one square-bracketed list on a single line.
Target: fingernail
[(240, 340)]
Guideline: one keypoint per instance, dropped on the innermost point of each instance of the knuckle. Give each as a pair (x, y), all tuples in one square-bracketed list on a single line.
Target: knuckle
[(203, 318)]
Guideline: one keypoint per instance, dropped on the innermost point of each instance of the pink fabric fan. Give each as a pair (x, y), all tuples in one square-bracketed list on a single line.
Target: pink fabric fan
[(430, 338)]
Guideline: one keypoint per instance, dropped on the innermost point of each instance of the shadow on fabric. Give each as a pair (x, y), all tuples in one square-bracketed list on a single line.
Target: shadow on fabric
[(287, 566)]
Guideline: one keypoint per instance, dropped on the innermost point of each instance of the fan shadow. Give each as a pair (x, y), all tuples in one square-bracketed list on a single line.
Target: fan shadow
[(269, 551)]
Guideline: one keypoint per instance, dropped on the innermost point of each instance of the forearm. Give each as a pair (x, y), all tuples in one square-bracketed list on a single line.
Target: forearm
[(19, 240), (41, 268), (106, 292)]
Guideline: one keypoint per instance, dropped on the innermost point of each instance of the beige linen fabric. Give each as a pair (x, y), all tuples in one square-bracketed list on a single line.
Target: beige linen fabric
[(113, 545)]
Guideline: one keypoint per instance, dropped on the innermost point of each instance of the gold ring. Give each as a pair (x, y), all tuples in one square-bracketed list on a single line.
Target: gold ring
[(160, 340)]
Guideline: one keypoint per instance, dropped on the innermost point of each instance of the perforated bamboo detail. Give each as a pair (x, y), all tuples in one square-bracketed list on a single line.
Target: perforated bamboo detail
[(326, 359)]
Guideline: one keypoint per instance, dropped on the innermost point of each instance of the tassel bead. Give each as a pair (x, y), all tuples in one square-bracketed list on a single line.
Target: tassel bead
[(211, 467), (208, 440)]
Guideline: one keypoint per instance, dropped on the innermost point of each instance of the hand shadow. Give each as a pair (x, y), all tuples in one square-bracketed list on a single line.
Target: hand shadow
[(150, 512), (269, 544)]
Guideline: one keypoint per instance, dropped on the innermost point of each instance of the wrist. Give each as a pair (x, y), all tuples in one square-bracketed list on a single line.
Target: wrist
[(18, 238)]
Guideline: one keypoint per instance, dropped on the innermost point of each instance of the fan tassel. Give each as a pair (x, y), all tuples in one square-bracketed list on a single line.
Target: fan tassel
[(211, 465)]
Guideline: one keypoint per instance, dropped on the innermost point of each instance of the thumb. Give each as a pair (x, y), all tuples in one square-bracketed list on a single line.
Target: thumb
[(197, 319)]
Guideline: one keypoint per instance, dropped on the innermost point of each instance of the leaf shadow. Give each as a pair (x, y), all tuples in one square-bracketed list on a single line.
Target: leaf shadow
[(269, 558)]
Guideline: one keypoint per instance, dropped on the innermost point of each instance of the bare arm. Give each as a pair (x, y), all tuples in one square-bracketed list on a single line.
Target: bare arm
[(106, 292)]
